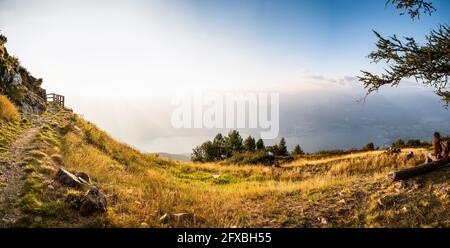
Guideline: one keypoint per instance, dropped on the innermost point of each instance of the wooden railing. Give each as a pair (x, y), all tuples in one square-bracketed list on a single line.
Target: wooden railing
[(56, 99)]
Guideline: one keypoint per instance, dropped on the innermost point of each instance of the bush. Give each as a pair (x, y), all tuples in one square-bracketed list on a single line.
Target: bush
[(8, 111), (334, 152), (259, 157), (369, 147), (399, 143), (417, 143)]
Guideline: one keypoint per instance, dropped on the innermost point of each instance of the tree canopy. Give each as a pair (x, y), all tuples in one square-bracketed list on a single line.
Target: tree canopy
[(235, 148), (413, 7), (427, 63), (250, 144), (260, 145)]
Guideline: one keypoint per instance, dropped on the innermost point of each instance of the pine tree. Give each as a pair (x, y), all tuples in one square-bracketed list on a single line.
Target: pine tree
[(249, 144), (297, 150), (233, 143), (197, 155), (282, 148), (260, 145), (219, 147)]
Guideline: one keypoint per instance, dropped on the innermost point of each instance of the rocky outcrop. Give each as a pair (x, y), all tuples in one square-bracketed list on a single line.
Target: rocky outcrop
[(19, 85), (71, 180), (91, 203)]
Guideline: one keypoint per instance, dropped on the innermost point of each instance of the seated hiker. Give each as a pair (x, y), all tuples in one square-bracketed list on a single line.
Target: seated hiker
[(440, 149)]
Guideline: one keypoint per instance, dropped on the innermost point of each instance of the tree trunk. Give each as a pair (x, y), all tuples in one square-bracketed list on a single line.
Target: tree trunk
[(418, 170)]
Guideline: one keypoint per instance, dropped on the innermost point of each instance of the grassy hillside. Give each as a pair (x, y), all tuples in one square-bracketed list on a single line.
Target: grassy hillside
[(312, 191)]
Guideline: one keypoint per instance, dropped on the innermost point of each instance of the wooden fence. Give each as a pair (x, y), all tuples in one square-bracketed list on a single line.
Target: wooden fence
[(56, 99)]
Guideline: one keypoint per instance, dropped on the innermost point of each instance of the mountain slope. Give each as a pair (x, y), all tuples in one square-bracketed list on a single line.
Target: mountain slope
[(347, 190)]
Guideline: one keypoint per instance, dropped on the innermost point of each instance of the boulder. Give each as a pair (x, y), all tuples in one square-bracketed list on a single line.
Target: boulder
[(91, 203), (69, 179), (184, 217), (83, 177)]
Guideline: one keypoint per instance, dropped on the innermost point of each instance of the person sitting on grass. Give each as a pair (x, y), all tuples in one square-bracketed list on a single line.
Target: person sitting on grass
[(440, 149)]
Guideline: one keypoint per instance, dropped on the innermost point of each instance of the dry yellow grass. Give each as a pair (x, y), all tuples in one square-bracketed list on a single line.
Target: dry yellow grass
[(140, 187), (8, 111)]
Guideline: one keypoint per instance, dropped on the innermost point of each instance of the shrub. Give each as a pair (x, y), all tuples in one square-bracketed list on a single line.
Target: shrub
[(369, 147), (399, 143), (333, 152), (417, 143), (259, 157), (8, 111)]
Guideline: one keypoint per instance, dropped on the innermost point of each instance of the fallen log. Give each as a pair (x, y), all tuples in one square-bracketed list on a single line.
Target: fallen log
[(418, 170)]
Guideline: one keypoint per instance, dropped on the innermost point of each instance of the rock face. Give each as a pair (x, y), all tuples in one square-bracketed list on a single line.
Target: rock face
[(19, 85), (70, 179), (16, 80), (91, 203)]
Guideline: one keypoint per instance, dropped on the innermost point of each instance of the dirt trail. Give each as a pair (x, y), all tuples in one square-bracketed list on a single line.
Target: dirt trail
[(11, 174)]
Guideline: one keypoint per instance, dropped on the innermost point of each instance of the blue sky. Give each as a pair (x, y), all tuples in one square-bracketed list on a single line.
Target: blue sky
[(315, 35), (327, 37)]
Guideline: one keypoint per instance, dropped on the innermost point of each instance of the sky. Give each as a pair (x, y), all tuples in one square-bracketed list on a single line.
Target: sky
[(119, 62)]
